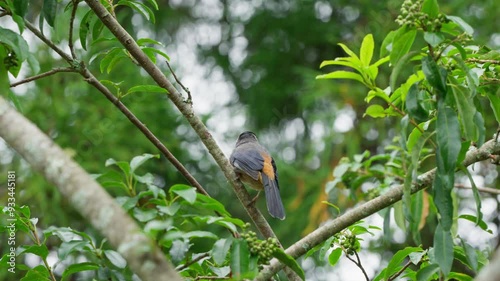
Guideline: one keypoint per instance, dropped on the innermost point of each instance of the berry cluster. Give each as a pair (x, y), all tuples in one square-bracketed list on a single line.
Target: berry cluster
[(412, 15), (264, 249), (347, 241)]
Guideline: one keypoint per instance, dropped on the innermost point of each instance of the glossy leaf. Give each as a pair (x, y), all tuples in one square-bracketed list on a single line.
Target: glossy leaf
[(184, 191), (290, 262), (240, 264), (466, 112), (463, 25), (431, 8), (366, 51), (402, 44), (395, 264), (427, 272), (50, 11), (435, 75), (221, 249), (334, 256), (78, 267), (443, 249), (434, 38), (137, 161), (341, 74), (414, 104)]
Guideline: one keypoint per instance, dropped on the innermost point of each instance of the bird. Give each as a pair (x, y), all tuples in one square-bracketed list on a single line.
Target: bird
[(255, 167)]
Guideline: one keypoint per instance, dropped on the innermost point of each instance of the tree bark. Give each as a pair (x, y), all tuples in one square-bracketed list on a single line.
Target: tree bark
[(86, 195)]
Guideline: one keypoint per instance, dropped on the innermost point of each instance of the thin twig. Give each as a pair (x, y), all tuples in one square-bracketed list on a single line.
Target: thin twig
[(357, 262), (400, 271), (71, 23), (188, 264), (38, 243), (189, 99), (42, 75), (483, 61), (115, 101), (211, 278), (481, 189)]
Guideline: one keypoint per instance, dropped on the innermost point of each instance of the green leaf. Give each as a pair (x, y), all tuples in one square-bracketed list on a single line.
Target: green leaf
[(398, 258), (184, 191), (456, 276), (38, 273), (495, 104), (50, 11), (334, 256), (342, 74), (471, 255), (124, 166), (289, 261), (137, 161), (141, 8), (16, 42), (240, 261), (463, 25), (475, 192), (414, 103), (85, 28), (477, 221), (366, 51), (431, 8), (39, 250), (221, 249), (402, 44), (147, 89), (448, 139), (434, 38), (68, 248), (115, 258), (21, 7), (401, 65), (427, 272), (111, 58), (435, 75), (145, 215), (79, 267), (375, 111), (386, 47), (443, 249), (200, 234)]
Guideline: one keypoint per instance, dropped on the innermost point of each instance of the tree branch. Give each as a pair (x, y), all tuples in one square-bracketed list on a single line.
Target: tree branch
[(71, 23), (186, 109), (117, 103), (45, 74), (364, 210), (489, 190), (85, 195)]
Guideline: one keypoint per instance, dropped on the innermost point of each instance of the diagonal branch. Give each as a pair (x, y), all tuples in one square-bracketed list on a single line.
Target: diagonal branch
[(332, 227), (87, 197), (186, 109), (116, 102), (42, 75)]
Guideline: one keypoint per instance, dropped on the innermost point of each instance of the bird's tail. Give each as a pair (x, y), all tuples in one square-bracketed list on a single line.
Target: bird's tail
[(273, 198)]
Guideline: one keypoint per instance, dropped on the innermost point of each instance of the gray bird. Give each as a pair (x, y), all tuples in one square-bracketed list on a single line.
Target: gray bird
[(255, 167)]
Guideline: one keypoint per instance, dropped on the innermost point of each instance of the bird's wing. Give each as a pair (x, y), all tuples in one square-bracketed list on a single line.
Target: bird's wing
[(248, 161)]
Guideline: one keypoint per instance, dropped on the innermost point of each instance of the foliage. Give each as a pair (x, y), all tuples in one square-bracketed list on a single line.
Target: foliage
[(441, 112), (432, 85)]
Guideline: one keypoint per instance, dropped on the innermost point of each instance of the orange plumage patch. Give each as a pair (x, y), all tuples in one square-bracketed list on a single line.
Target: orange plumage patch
[(268, 169)]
